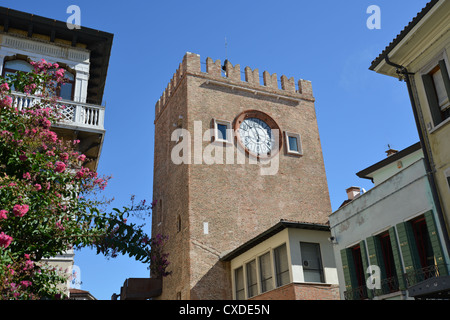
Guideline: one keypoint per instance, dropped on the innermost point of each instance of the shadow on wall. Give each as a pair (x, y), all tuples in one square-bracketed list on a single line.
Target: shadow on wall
[(215, 284)]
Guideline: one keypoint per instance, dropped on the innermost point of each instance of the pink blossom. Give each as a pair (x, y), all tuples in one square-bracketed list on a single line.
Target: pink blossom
[(20, 210), (27, 176), (7, 101), (60, 73), (81, 157), (28, 265), (52, 136), (64, 156), (60, 226), (3, 214), (5, 240), (25, 283), (37, 186), (46, 123), (4, 86), (60, 166)]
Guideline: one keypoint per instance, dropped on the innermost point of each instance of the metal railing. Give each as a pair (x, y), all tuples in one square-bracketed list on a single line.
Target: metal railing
[(391, 285), (72, 113), (419, 275)]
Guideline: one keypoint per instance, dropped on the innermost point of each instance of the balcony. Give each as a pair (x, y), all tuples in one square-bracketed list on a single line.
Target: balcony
[(75, 115), (432, 282), (79, 121), (387, 286)]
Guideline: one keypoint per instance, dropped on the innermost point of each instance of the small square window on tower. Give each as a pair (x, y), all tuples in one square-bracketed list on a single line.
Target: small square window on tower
[(222, 131), (293, 143)]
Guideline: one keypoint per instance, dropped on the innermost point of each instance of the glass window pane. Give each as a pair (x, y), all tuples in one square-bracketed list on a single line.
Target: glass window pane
[(312, 262), (281, 265), (19, 65), (239, 283), (69, 76), (293, 146), (66, 91), (222, 131), (266, 272), (252, 286)]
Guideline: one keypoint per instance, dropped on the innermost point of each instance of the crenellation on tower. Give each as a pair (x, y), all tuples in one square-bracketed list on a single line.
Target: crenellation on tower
[(270, 80), (213, 68), (232, 73), (252, 76), (305, 87), (192, 64), (287, 84)]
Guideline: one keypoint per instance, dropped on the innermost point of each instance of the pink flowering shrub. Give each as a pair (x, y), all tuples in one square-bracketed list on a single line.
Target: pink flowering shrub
[(48, 198)]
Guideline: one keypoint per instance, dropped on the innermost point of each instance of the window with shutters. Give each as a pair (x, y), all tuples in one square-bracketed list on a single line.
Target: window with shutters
[(358, 266), (423, 243), (312, 262), (281, 265), (437, 88), (354, 263), (422, 252), (390, 281)]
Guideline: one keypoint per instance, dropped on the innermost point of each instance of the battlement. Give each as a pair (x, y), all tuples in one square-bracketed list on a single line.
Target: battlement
[(232, 76)]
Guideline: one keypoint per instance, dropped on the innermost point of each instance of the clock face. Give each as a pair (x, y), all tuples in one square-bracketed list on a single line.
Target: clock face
[(256, 136)]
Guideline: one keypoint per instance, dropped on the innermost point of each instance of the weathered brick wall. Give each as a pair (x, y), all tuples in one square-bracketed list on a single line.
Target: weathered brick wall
[(235, 200), (299, 291)]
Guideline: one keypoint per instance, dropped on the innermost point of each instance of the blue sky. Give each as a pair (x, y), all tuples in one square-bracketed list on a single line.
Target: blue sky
[(358, 111)]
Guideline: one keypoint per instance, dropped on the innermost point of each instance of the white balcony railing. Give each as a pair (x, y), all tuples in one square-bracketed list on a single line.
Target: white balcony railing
[(73, 114)]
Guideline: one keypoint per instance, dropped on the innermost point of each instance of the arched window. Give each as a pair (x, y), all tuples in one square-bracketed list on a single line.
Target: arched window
[(65, 91), (12, 66)]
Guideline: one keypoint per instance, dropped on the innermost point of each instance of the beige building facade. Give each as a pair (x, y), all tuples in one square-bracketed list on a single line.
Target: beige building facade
[(420, 55)]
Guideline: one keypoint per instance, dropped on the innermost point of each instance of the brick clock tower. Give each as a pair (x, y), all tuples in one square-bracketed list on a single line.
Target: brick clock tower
[(232, 157)]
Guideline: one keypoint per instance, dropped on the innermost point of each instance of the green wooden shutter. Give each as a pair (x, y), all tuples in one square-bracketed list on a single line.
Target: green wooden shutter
[(436, 243), (397, 259), (445, 76), (408, 249), (365, 264), (348, 268), (376, 257), (432, 99)]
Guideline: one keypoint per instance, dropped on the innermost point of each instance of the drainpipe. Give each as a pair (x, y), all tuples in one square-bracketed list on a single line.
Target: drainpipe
[(403, 73)]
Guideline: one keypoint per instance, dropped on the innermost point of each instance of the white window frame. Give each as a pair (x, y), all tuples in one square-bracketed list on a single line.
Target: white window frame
[(229, 131), (447, 177), (426, 69), (297, 136)]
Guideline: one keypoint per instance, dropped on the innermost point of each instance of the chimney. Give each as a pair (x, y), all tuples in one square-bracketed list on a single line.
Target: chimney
[(390, 151), (353, 192)]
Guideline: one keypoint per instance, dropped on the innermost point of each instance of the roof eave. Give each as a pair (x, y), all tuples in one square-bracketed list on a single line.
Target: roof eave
[(378, 62)]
